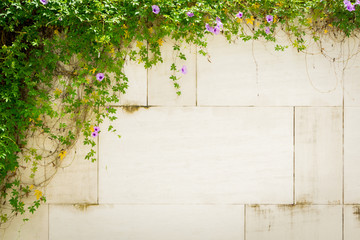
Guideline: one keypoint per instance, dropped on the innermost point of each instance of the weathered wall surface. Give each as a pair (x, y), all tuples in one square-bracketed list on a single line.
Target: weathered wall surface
[(260, 145)]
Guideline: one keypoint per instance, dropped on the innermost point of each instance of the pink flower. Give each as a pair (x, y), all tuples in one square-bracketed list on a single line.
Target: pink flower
[(269, 18), (267, 30), (184, 70), (216, 30), (96, 129), (44, 2), (190, 14), (155, 9), (239, 14), (100, 76), (94, 134)]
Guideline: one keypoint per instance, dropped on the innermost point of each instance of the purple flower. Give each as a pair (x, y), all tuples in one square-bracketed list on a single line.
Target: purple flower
[(94, 134), (207, 26), (184, 70), (96, 129), (100, 76), (239, 14), (216, 30), (219, 23), (44, 2), (357, 2), (155, 9), (267, 30), (269, 18), (190, 14), (350, 7)]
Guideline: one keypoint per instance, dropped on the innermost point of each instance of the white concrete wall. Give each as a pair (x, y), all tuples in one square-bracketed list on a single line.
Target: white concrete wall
[(260, 145)]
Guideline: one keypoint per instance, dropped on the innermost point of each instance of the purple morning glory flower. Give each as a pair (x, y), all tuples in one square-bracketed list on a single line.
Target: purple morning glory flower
[(60, 19), (239, 14), (350, 7), (155, 9), (357, 2), (269, 18), (100, 76), (184, 70), (190, 14), (267, 30), (94, 134), (207, 26), (219, 23), (216, 30), (96, 129), (44, 2)]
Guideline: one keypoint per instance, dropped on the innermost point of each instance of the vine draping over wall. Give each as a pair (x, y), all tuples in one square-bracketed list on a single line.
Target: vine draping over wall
[(57, 57)]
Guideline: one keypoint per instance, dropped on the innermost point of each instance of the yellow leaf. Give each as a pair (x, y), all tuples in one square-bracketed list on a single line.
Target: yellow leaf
[(124, 27), (38, 194), (250, 20), (127, 34), (139, 44), (160, 42), (256, 6), (57, 91), (275, 19), (56, 32), (93, 70), (325, 31), (62, 154), (330, 25), (309, 20), (239, 20), (31, 187)]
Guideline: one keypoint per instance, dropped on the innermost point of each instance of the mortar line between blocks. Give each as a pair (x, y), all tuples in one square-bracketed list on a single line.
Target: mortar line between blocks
[(343, 155), (294, 117), (48, 220), (196, 76), (147, 77), (97, 168), (343, 222), (245, 222), (343, 149)]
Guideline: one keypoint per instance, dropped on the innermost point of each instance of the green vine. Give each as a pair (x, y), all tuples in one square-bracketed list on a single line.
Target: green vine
[(62, 66)]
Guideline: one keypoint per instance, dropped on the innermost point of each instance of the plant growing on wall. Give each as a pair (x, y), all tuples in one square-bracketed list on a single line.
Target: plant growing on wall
[(62, 66)]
